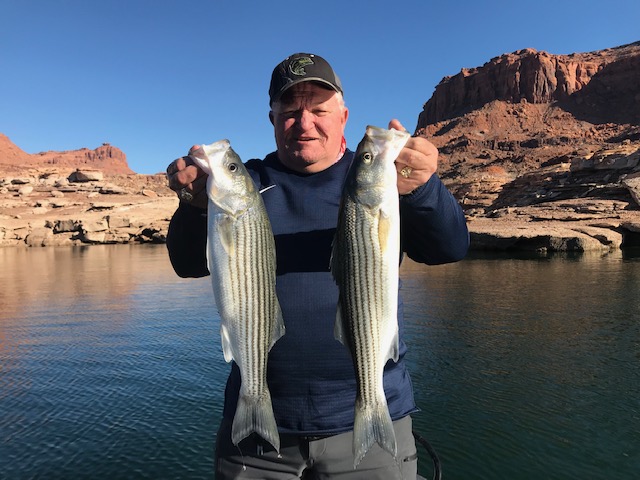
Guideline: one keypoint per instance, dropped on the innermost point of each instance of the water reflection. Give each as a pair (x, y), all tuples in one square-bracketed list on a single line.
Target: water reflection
[(524, 368), (110, 364), (40, 276), (528, 365)]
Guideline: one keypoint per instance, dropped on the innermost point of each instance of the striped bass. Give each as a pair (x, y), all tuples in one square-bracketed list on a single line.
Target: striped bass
[(242, 261), (365, 263)]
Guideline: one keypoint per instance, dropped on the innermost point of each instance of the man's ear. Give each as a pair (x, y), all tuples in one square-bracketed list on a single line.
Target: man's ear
[(271, 117)]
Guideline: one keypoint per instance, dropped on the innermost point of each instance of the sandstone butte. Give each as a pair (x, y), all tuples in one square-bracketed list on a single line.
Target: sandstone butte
[(541, 150)]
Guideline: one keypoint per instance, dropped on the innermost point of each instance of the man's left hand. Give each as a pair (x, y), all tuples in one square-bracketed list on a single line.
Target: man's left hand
[(418, 160)]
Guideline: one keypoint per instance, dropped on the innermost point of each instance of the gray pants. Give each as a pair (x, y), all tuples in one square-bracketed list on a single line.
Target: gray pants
[(314, 458)]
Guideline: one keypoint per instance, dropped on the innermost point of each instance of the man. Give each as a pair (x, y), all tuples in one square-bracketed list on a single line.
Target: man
[(310, 374)]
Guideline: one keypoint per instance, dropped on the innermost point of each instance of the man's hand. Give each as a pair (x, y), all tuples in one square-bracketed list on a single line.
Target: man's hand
[(188, 181), (418, 160)]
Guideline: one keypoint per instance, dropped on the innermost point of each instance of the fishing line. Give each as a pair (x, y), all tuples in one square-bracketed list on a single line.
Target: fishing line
[(437, 469), (244, 465)]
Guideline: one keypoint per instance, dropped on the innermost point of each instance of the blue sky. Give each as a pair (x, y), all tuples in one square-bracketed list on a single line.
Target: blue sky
[(154, 77)]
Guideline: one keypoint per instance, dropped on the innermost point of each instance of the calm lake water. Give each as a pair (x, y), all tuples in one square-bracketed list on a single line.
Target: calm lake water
[(111, 367)]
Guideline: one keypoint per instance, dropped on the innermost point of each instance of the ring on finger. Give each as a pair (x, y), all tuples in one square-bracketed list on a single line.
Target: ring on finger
[(406, 171), (185, 195)]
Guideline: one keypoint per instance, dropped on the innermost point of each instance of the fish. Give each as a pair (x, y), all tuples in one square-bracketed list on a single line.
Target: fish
[(241, 257), (365, 266)]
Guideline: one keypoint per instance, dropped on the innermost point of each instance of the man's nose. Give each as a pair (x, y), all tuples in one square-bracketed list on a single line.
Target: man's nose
[(306, 119)]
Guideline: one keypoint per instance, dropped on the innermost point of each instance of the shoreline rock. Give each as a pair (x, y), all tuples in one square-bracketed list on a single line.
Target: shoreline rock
[(84, 209), (136, 209)]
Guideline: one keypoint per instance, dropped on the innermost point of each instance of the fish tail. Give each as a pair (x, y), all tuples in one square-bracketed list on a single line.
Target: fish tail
[(373, 424), (255, 414)]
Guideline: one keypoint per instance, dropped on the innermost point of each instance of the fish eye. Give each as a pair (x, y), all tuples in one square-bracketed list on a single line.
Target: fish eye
[(232, 167), (367, 157)]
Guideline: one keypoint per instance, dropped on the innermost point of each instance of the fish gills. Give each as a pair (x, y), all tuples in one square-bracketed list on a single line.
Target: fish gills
[(242, 263), (364, 263)]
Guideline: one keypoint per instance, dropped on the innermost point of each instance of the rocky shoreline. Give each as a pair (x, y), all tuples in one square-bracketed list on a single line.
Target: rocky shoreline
[(590, 204), (85, 207), (551, 229)]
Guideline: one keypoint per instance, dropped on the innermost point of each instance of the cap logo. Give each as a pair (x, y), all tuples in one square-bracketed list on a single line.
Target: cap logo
[(297, 66)]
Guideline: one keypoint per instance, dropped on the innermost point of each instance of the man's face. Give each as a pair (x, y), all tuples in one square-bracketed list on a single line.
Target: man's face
[(309, 123)]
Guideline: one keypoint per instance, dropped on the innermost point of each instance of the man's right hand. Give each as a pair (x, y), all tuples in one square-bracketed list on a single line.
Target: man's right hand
[(188, 181)]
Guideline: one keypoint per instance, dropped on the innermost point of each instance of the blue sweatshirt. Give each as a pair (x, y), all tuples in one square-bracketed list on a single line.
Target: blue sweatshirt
[(310, 374)]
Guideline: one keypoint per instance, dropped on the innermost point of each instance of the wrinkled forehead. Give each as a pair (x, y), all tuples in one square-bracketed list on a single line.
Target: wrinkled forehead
[(307, 93)]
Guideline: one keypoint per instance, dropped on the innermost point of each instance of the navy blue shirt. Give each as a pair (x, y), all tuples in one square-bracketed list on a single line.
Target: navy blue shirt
[(310, 374)]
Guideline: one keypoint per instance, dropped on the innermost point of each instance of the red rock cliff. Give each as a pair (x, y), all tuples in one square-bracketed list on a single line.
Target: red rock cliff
[(108, 159), (582, 82), (11, 153)]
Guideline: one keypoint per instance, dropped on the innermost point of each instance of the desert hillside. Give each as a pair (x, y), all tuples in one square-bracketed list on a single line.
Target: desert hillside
[(531, 127), (542, 151)]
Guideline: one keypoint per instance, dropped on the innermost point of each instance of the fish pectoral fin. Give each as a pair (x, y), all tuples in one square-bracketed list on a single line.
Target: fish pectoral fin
[(226, 343), (335, 262), (278, 327), (394, 349), (225, 230), (384, 230), (339, 332)]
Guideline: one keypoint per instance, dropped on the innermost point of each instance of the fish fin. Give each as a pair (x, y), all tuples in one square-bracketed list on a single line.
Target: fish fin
[(278, 327), (339, 332), (394, 348), (227, 350), (225, 230), (332, 261), (372, 424), (255, 414), (384, 229), (335, 263)]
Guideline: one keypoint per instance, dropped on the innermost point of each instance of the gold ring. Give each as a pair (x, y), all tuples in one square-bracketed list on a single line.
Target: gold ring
[(406, 171), (185, 195)]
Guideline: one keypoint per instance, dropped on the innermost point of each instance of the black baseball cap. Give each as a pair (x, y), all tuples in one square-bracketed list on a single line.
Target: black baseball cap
[(301, 67)]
